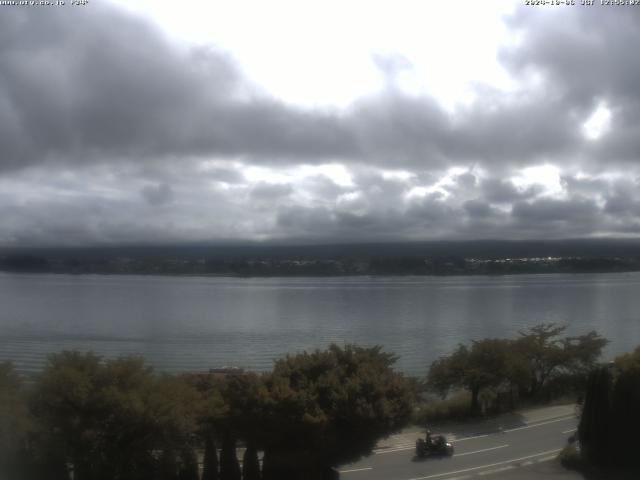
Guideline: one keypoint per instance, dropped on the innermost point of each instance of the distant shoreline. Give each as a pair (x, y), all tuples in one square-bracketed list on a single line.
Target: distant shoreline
[(487, 268)]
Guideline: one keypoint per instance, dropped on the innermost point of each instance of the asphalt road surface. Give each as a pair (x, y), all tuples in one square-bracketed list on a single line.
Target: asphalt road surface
[(479, 456)]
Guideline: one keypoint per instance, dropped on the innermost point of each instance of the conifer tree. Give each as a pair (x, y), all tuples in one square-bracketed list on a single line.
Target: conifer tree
[(594, 428), (250, 464), (188, 465), (229, 466), (210, 467)]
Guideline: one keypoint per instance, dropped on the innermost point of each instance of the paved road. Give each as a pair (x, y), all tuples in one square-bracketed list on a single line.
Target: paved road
[(481, 456)]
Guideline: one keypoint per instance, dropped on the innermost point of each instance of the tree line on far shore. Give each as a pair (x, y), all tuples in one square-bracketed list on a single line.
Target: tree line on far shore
[(89, 418)]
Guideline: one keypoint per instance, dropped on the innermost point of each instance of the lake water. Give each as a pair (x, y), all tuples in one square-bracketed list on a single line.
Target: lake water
[(197, 323)]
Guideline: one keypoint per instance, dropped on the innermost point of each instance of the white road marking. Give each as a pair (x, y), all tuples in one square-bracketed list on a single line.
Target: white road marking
[(394, 450), (570, 430), (470, 438), (480, 451), (409, 446), (546, 459), (397, 445), (355, 470), (538, 424), (457, 454), (497, 470), (505, 462)]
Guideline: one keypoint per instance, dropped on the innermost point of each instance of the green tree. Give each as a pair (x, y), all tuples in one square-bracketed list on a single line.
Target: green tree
[(628, 361), (244, 398), (210, 462), (610, 419), (229, 466), (66, 407), (544, 353), (330, 407), (483, 365), (168, 465), (625, 418), (16, 425), (625, 410), (110, 418), (212, 414), (593, 429), (188, 469), (250, 464)]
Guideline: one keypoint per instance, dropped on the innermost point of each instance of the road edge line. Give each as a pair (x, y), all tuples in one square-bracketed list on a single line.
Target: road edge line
[(505, 462)]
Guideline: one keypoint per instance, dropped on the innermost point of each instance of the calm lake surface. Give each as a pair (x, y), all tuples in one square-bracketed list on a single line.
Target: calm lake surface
[(197, 323)]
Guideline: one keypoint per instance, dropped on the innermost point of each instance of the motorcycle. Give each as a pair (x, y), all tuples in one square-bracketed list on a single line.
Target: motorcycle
[(438, 446)]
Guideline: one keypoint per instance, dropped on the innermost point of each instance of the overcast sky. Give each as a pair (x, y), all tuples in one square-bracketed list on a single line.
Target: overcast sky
[(322, 121)]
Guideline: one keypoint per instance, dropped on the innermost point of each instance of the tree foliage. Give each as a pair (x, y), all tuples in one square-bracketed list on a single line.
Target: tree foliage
[(528, 362), (210, 461), (543, 352), (110, 418), (229, 465), (340, 401), (484, 364), (250, 464), (16, 423), (188, 468), (610, 418), (117, 419), (594, 426)]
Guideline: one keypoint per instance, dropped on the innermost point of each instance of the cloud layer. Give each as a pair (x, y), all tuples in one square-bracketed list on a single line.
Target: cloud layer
[(112, 133)]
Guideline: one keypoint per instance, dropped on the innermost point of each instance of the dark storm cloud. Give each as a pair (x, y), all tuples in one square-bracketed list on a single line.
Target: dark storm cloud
[(432, 209), (100, 85), (322, 187), (96, 205), (550, 210), (622, 199), (477, 208), (397, 130), (96, 84), (226, 175), (582, 57), (589, 51), (105, 120), (590, 186), (587, 56), (468, 212), (467, 180), (301, 221), (504, 191), (157, 194), (270, 192)]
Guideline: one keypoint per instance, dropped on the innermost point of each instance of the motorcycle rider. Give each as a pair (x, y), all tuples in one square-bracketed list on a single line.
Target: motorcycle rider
[(428, 439)]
